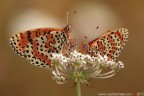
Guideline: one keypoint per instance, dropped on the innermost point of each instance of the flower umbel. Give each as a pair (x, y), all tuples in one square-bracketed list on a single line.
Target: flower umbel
[(81, 68)]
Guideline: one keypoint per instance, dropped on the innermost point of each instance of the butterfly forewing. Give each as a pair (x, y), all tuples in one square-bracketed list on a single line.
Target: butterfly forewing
[(110, 44)]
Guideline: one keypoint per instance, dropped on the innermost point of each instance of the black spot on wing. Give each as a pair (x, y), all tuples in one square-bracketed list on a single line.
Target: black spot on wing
[(29, 37)]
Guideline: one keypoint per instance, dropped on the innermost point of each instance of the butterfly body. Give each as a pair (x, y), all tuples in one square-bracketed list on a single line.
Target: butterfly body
[(37, 45)]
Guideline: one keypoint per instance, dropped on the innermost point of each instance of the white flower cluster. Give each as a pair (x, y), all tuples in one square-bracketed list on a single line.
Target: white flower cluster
[(82, 67)]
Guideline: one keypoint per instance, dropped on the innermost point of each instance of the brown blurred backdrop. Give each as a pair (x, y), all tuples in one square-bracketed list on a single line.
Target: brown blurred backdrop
[(19, 78)]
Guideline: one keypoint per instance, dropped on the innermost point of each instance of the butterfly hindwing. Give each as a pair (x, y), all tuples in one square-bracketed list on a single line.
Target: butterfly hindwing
[(37, 45), (110, 44)]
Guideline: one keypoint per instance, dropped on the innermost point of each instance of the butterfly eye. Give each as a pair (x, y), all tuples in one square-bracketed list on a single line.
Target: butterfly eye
[(86, 46), (68, 28)]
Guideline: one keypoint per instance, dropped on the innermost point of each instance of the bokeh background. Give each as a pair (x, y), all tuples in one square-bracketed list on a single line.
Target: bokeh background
[(19, 78)]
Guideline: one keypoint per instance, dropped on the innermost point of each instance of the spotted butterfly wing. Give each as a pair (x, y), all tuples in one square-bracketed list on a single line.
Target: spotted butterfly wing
[(37, 45), (110, 44)]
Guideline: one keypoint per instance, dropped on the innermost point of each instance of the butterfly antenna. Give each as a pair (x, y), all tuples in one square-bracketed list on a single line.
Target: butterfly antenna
[(96, 30), (68, 17), (97, 27), (85, 37)]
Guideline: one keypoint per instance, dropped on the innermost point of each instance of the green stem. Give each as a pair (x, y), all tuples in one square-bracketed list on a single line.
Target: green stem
[(78, 86)]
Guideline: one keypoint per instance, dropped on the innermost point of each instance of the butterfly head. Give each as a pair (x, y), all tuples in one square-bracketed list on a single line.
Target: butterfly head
[(68, 28)]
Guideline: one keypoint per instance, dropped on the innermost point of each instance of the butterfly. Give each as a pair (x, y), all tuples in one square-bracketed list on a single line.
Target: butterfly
[(110, 44), (37, 45)]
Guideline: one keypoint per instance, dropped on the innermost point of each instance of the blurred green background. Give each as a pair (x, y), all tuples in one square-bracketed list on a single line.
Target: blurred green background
[(19, 78)]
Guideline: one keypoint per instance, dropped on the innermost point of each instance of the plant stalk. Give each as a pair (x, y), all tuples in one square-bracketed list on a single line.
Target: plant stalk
[(78, 87)]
